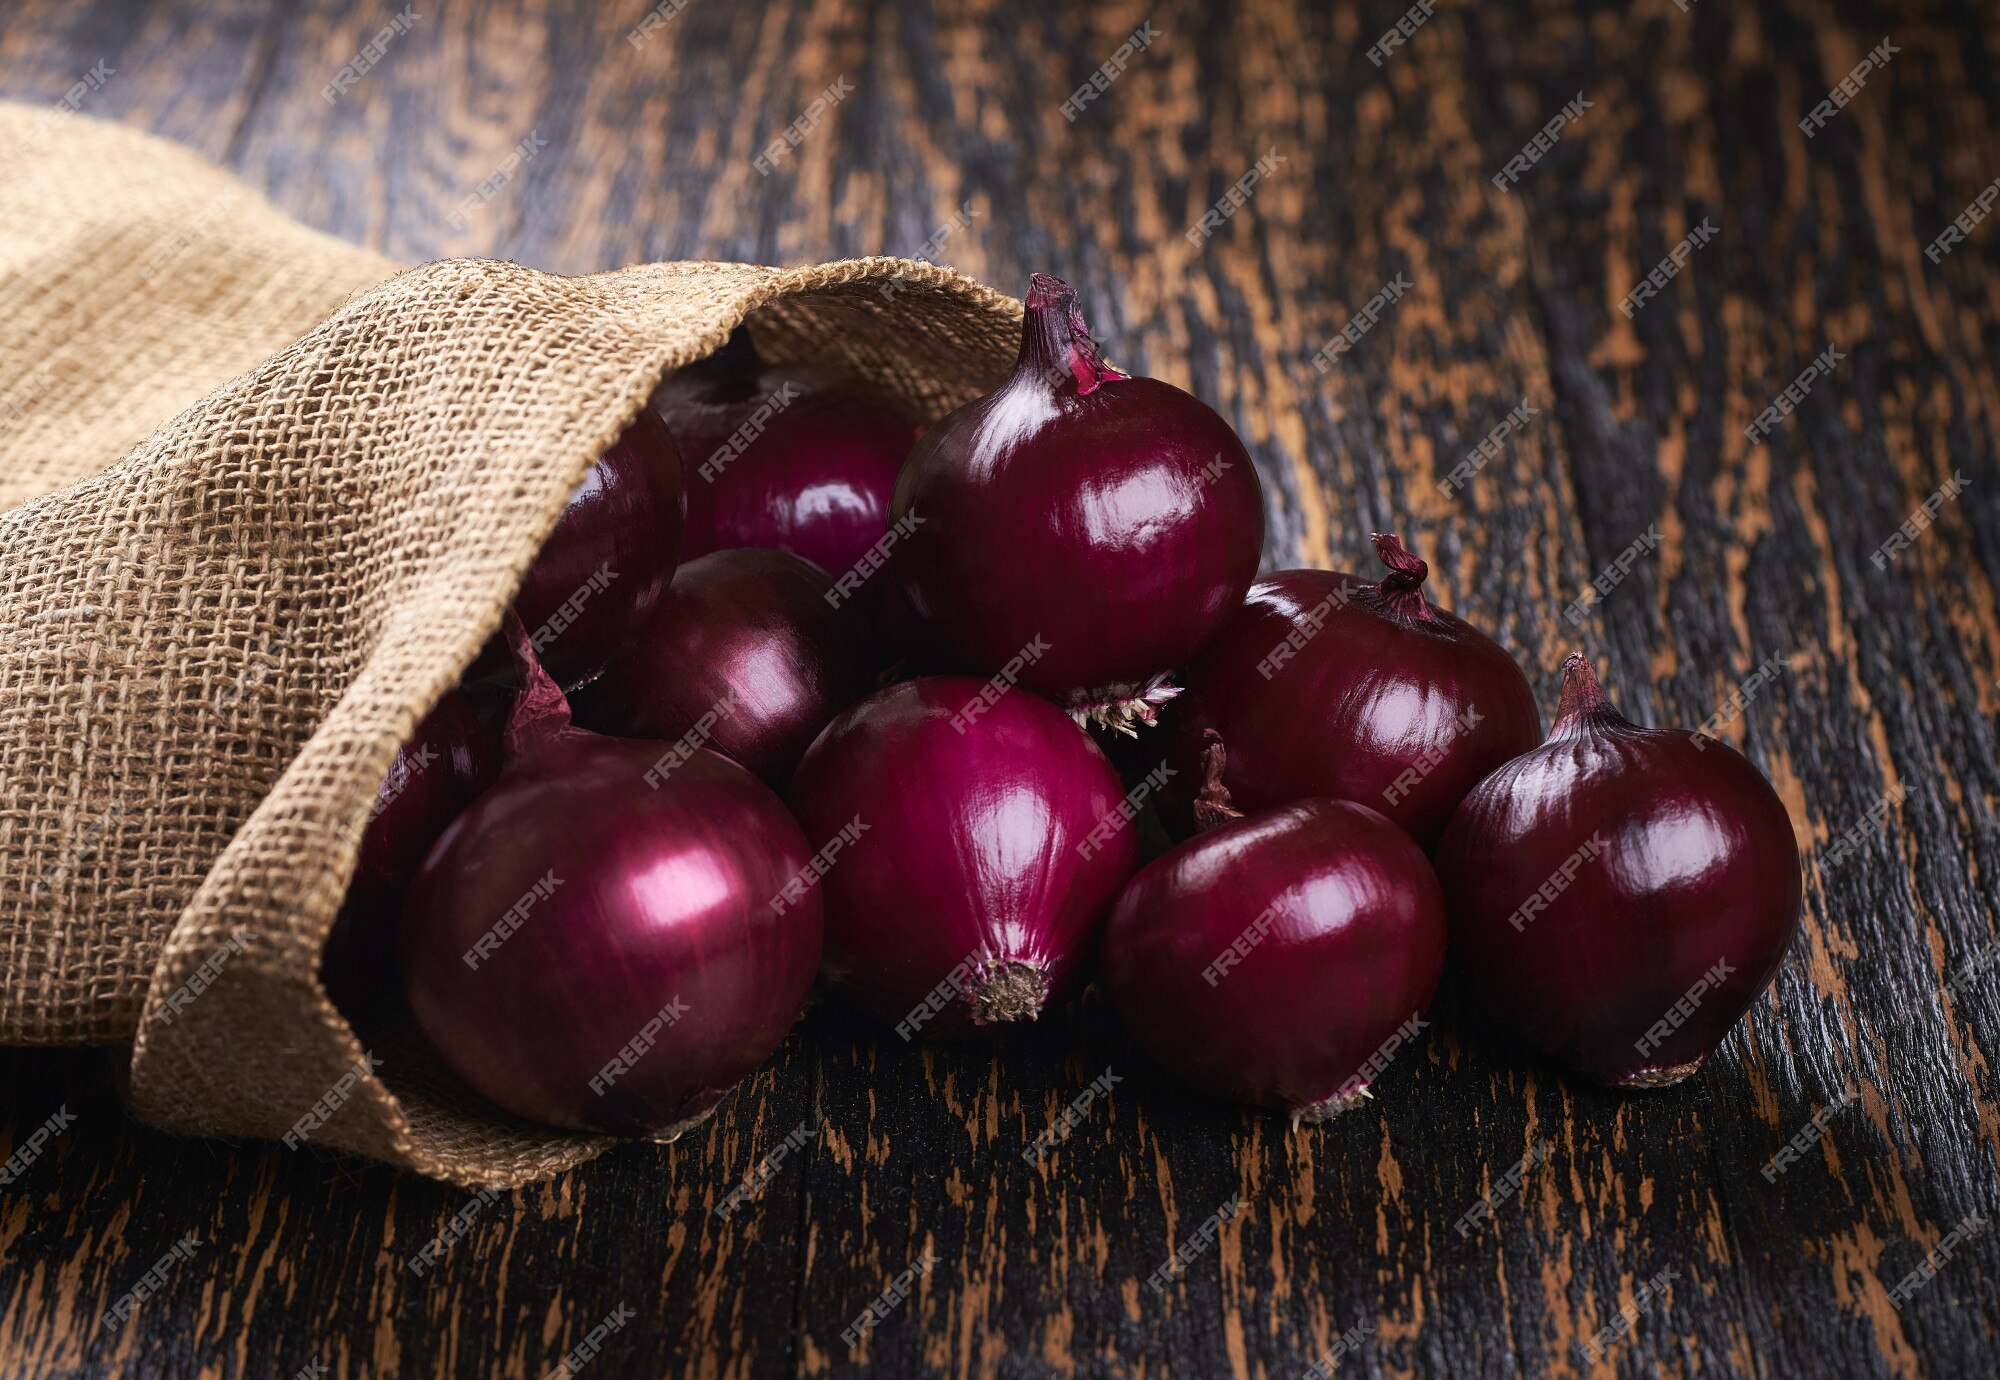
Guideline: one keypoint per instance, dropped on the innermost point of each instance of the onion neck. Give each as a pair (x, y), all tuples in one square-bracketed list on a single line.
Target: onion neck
[(1584, 704), (541, 711), (1213, 806), (1402, 588), (1055, 342)]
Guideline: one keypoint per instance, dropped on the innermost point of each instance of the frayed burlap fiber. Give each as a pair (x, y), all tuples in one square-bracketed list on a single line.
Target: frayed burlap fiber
[(264, 499)]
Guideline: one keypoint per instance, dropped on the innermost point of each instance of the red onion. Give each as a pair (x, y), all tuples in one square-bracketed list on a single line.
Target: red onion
[(789, 458), (1114, 521), (448, 761), (748, 654), (1620, 895), (1281, 958), (1323, 685), (607, 562), (603, 940), (972, 843)]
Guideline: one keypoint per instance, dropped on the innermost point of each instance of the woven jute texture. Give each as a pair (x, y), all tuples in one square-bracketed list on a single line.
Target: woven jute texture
[(264, 499)]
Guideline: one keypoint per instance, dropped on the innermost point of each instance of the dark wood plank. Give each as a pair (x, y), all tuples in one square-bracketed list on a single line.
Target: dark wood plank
[(1764, 549)]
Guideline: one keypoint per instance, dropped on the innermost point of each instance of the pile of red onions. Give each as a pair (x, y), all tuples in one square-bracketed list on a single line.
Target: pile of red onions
[(616, 926)]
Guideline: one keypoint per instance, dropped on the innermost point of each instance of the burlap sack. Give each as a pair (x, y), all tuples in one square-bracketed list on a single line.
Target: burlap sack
[(217, 626)]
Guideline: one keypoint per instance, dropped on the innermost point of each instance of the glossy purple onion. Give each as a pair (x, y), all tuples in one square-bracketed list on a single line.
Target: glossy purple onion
[(791, 458), (1281, 958), (603, 941), (448, 761), (606, 563), (1086, 530), (1324, 685), (1621, 895), (971, 842), (750, 654)]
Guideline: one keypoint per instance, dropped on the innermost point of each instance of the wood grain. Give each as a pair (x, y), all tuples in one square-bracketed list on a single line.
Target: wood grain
[(1892, 680)]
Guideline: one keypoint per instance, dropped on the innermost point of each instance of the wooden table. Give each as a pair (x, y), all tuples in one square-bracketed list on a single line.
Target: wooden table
[(1750, 550)]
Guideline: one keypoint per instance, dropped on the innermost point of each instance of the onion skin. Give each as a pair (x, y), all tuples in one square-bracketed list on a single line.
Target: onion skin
[(746, 654), (1117, 519), (975, 877), (606, 563), (815, 475), (449, 760), (1272, 959), (1324, 685), (618, 901), (1679, 857)]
